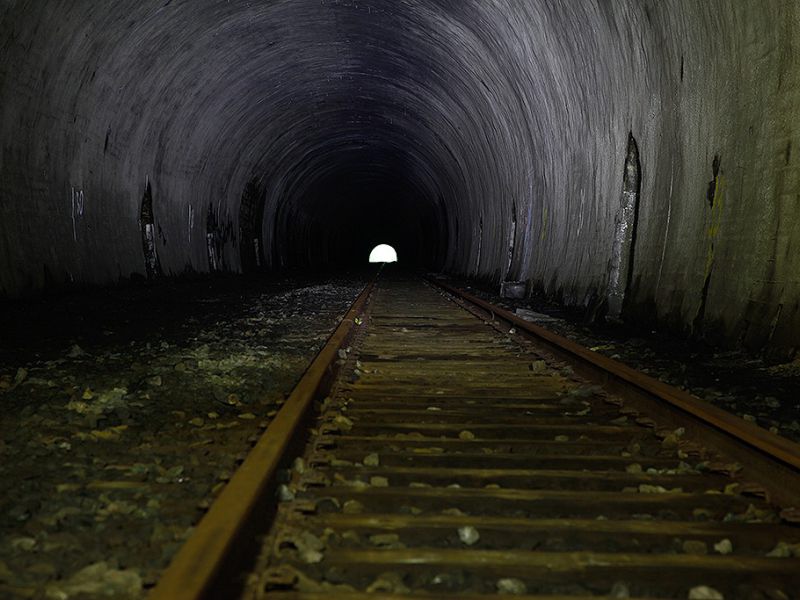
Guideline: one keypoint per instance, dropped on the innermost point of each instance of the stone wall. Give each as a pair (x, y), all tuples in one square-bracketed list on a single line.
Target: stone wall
[(490, 138)]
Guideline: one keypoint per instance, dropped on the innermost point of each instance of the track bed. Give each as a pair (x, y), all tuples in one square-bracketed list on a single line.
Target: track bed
[(455, 460)]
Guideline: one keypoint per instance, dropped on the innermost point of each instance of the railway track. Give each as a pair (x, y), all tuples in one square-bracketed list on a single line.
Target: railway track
[(451, 458)]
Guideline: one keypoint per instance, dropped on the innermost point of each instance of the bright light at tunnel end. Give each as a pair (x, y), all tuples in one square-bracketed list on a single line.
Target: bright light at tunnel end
[(383, 253)]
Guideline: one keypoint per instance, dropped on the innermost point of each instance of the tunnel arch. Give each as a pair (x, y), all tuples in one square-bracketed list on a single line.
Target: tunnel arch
[(493, 130)]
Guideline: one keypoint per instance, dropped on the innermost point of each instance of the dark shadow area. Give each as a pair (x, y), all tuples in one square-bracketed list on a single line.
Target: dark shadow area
[(344, 215), (168, 310)]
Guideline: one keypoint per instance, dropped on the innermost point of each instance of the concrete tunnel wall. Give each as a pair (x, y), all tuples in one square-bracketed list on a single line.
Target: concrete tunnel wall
[(636, 157)]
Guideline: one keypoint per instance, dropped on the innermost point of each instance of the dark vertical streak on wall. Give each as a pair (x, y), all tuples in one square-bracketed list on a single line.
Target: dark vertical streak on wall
[(217, 235), (480, 246), (633, 186), (251, 216), (148, 229), (711, 196), (624, 244), (697, 324), (712, 185), (512, 239), (442, 231), (212, 240)]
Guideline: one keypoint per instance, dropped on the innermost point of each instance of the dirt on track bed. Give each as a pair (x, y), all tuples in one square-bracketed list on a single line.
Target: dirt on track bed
[(123, 412)]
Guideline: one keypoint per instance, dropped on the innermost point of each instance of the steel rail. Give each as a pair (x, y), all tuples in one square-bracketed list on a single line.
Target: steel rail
[(196, 568), (771, 460)]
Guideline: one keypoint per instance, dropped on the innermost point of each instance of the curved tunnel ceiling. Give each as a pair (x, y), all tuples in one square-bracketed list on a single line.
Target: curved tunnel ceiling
[(483, 137)]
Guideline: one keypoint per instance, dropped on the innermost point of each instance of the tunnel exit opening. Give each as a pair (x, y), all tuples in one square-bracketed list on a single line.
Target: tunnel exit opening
[(383, 253)]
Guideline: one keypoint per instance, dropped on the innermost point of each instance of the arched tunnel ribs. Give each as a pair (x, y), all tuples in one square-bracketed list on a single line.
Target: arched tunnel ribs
[(413, 120)]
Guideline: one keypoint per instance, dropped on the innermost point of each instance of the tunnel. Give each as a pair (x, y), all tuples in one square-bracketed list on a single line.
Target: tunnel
[(486, 139), (190, 191)]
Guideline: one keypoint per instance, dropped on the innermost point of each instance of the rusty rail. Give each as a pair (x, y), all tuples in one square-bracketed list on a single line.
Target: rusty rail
[(771, 460), (386, 410), (193, 572), (455, 460)]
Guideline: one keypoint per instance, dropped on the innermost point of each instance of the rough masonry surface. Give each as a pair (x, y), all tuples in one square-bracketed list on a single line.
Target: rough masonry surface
[(487, 138)]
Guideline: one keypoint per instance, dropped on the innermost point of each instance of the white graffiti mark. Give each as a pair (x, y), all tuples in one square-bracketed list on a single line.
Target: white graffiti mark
[(150, 247), (213, 256), (77, 210)]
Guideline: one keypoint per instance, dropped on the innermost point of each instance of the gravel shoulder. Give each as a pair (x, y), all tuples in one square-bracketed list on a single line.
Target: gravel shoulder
[(125, 411)]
